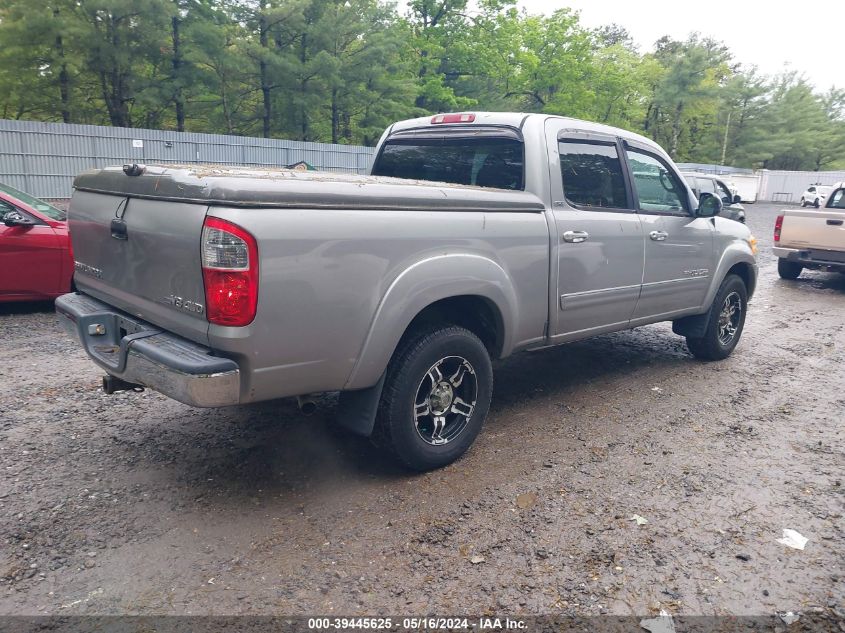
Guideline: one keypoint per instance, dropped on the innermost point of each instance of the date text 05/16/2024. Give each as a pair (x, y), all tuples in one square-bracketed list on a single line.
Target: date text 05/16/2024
[(417, 624)]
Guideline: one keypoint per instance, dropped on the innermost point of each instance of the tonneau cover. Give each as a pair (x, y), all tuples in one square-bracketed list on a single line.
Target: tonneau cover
[(232, 186)]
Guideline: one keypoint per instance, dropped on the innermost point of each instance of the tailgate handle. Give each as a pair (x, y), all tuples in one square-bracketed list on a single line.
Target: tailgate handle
[(835, 222), (118, 224), (118, 229)]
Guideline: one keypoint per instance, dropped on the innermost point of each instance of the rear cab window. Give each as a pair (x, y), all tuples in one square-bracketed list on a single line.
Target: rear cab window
[(484, 157)]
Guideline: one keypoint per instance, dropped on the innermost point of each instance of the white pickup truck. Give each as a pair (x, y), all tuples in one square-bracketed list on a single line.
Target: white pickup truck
[(812, 238)]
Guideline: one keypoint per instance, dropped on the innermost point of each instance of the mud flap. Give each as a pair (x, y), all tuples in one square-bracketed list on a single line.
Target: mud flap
[(692, 326), (356, 410)]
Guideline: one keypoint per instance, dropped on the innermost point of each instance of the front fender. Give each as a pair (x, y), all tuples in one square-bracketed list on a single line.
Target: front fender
[(738, 252), (417, 287)]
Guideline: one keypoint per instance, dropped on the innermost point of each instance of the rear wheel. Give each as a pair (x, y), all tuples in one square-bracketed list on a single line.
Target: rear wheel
[(817, 203), (788, 269), (436, 395), (727, 319)]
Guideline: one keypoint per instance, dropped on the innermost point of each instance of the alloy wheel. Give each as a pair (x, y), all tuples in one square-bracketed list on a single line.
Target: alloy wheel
[(730, 317), (445, 400)]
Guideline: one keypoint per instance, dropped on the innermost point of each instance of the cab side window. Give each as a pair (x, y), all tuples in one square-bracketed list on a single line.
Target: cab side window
[(837, 200), (592, 175), (658, 188)]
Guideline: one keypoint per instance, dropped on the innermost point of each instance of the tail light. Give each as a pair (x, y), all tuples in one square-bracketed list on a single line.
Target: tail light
[(229, 272), (778, 227)]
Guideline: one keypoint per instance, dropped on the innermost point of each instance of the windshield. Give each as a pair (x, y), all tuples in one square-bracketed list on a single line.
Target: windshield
[(484, 162), (39, 205)]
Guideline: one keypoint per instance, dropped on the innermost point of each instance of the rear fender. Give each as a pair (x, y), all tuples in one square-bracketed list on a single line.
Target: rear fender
[(417, 287)]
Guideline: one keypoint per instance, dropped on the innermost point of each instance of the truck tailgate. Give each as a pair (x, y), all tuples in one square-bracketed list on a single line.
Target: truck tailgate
[(147, 263), (822, 229)]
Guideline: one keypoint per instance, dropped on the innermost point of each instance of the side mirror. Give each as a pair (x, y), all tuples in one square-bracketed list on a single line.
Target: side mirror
[(708, 206), (737, 198), (13, 218)]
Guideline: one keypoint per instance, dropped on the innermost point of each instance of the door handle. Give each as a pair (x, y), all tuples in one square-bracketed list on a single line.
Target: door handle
[(834, 222), (658, 236), (575, 236)]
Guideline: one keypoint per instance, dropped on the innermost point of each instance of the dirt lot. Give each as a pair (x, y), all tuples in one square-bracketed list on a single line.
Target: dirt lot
[(137, 504)]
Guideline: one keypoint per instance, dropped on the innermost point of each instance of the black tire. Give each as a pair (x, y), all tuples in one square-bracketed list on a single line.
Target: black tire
[(803, 203), (713, 345), (788, 269), (404, 428), (817, 203)]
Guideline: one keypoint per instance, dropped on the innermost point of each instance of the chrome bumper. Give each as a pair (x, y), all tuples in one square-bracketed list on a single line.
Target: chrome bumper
[(811, 257), (783, 253), (146, 355)]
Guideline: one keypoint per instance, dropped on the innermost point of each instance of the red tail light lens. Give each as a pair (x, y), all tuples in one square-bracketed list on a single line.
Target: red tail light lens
[(230, 273), (778, 227)]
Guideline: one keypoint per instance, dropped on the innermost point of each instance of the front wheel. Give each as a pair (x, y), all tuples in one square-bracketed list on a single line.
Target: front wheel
[(803, 202), (436, 395), (727, 319), (788, 269)]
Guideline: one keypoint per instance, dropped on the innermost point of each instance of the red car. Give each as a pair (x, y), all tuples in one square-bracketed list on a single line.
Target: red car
[(36, 261)]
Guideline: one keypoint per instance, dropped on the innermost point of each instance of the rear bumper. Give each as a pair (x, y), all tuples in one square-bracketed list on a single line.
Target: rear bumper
[(812, 257), (138, 352)]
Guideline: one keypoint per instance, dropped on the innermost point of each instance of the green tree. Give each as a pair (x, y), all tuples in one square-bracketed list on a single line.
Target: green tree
[(342, 70), (36, 72)]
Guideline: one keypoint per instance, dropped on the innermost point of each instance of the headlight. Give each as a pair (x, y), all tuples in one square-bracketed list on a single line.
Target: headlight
[(752, 242)]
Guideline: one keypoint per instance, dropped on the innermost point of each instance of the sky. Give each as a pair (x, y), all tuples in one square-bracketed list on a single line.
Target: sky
[(806, 36)]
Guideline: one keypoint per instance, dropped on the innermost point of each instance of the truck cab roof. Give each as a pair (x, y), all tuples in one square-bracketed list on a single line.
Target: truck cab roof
[(519, 120)]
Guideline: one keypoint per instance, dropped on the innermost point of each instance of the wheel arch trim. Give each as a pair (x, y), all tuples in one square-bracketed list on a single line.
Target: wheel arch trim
[(736, 256), (422, 284)]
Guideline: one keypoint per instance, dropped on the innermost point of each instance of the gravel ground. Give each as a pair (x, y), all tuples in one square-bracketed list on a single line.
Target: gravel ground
[(137, 504)]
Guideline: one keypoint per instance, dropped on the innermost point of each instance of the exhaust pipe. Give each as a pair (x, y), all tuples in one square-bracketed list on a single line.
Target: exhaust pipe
[(307, 404)]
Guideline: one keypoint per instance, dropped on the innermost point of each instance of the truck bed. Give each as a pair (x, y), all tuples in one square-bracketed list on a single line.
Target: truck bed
[(286, 188), (818, 229), (336, 252)]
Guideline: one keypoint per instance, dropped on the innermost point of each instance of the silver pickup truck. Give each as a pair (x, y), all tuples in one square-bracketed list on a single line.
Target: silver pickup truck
[(475, 236)]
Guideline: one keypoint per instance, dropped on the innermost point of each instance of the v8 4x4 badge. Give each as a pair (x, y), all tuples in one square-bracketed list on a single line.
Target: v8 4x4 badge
[(184, 304)]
